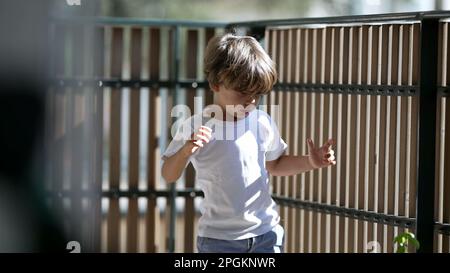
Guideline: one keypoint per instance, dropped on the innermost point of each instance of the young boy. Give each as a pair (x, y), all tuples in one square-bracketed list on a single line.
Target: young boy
[(234, 152)]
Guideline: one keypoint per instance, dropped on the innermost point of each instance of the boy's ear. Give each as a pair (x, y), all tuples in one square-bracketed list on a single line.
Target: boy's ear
[(214, 87)]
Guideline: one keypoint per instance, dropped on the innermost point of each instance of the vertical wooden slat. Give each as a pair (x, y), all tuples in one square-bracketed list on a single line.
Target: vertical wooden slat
[(327, 75), (382, 148), (333, 176), (302, 135), (363, 107), (310, 77), (282, 96), (403, 80), (445, 202), (368, 44), (378, 134), (307, 216), (414, 117), (133, 160), (269, 47), (287, 132), (440, 132), (349, 139), (278, 101), (304, 224), (444, 184), (332, 171), (209, 95), (405, 54), (311, 98), (114, 161), (409, 121), (341, 141), (317, 192), (358, 169), (373, 133), (446, 189), (350, 160), (309, 60), (191, 73), (173, 34), (447, 60), (398, 129), (319, 56), (392, 114), (267, 100), (154, 65), (384, 145), (382, 197), (387, 138), (290, 139), (296, 137), (371, 119), (440, 136), (440, 177)]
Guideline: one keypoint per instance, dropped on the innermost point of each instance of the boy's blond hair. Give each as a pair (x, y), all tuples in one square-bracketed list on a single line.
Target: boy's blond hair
[(240, 64)]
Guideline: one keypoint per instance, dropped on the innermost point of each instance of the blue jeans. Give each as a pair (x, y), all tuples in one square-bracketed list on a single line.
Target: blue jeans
[(269, 242)]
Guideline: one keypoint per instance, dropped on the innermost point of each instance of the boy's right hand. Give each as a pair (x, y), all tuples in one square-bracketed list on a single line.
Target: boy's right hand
[(198, 140)]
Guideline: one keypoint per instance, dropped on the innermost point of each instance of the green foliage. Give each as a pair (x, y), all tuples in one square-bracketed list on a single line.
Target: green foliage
[(206, 10), (403, 240)]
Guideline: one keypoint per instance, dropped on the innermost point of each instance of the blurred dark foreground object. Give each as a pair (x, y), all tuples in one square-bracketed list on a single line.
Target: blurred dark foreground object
[(26, 223)]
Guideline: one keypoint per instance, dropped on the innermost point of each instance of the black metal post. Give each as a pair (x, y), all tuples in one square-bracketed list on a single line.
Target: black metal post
[(427, 133), (173, 192)]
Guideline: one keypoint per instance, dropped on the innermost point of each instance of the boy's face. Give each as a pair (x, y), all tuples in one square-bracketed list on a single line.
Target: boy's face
[(234, 103)]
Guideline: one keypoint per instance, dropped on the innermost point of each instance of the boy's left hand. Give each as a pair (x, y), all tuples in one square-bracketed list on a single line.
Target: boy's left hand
[(323, 156)]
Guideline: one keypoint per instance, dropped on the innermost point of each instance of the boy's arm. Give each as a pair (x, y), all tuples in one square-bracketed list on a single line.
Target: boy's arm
[(174, 165), (291, 165)]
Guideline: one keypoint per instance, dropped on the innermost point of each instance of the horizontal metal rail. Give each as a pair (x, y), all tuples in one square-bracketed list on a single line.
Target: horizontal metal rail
[(118, 83), (378, 18), (444, 91), (386, 90), (117, 193), (442, 228), (306, 205), (347, 212)]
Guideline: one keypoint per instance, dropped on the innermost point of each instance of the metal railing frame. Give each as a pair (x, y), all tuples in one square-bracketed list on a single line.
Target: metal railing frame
[(424, 223)]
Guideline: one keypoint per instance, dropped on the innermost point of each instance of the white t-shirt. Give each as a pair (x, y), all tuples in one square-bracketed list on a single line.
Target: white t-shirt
[(231, 172)]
